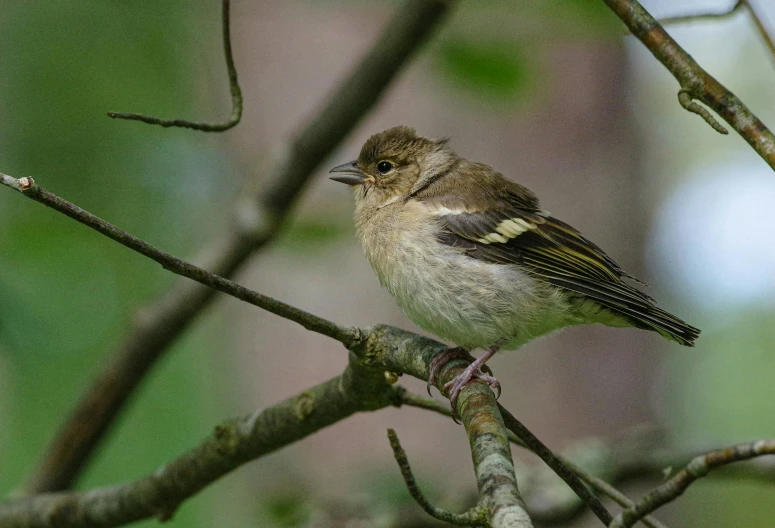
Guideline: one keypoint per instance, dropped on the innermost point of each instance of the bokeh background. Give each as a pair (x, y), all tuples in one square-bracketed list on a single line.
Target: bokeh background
[(548, 92)]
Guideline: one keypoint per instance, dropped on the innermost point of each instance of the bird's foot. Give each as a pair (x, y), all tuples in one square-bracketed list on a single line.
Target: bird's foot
[(472, 372), (476, 370), (441, 359)]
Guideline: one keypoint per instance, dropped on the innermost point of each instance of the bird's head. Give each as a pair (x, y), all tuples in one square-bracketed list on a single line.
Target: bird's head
[(393, 165)]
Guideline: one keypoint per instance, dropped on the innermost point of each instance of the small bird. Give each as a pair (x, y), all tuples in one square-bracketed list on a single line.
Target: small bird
[(471, 257)]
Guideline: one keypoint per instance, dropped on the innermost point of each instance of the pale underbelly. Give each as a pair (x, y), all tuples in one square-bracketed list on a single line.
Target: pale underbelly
[(473, 304)]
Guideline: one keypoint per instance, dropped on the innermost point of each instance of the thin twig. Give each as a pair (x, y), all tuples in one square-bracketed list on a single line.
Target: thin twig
[(234, 88), (314, 323), (757, 20), (557, 465), (696, 17), (697, 468), (694, 80), (604, 488), (258, 218), (476, 516), (760, 26)]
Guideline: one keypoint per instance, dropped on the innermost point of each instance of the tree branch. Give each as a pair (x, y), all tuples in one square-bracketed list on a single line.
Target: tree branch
[(604, 488), (693, 80), (231, 444), (362, 387), (258, 217), (234, 88), (30, 189), (697, 468)]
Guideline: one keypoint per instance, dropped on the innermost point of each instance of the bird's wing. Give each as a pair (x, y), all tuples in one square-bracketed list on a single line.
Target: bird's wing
[(556, 252)]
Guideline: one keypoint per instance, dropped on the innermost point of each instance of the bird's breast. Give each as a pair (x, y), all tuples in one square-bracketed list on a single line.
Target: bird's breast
[(464, 300)]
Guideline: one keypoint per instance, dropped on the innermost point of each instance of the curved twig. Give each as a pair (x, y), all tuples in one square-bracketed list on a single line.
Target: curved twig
[(234, 88), (689, 104), (697, 468), (757, 20), (475, 516)]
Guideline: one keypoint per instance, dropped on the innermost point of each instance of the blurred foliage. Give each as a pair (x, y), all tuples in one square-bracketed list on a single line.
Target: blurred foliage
[(481, 56), (722, 412), (488, 69), (316, 234), (580, 17), (286, 510)]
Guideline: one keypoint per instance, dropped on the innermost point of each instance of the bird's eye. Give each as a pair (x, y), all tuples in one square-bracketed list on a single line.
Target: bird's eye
[(384, 167)]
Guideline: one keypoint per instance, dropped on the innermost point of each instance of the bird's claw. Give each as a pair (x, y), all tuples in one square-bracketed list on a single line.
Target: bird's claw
[(441, 359), (461, 380), (476, 370)]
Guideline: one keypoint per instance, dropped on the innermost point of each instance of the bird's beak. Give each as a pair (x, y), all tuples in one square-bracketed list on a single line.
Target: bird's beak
[(351, 174)]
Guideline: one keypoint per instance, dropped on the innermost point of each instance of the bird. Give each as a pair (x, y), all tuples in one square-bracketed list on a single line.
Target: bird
[(471, 257)]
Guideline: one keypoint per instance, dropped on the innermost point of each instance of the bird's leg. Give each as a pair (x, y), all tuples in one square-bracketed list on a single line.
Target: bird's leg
[(441, 359), (473, 371)]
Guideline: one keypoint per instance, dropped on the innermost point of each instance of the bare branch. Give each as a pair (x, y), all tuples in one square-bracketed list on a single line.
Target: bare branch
[(696, 82), (604, 488), (234, 88), (29, 188), (474, 517), (697, 468), (258, 218), (231, 444), (478, 411)]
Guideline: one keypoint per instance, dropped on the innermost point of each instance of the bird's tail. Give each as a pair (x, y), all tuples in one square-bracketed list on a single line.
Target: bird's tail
[(631, 307), (670, 326)]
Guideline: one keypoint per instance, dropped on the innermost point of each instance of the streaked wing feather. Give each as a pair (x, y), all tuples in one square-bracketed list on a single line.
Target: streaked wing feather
[(556, 252)]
